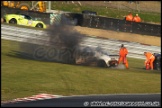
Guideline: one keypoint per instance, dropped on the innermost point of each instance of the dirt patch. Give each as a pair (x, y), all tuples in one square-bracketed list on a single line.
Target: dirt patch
[(147, 6), (143, 39)]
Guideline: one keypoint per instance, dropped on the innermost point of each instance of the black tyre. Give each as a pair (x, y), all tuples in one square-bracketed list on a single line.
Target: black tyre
[(4, 20), (13, 21), (39, 25), (101, 63)]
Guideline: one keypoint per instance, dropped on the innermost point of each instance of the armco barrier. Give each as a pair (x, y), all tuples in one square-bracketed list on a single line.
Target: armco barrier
[(121, 25), (94, 21), (111, 46)]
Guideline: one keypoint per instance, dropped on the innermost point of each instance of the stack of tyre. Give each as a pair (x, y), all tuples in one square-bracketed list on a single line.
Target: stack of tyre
[(87, 18), (157, 61)]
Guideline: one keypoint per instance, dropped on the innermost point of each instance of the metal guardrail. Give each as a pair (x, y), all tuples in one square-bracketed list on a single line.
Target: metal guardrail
[(111, 46)]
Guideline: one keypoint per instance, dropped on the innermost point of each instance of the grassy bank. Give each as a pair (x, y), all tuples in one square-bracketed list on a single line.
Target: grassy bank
[(24, 77), (108, 12), (151, 17)]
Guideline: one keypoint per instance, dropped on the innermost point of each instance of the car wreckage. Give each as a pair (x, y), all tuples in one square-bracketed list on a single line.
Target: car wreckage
[(95, 57), (78, 56), (62, 43)]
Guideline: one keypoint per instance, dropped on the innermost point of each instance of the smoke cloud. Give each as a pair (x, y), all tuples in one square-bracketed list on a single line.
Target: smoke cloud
[(61, 43), (64, 34)]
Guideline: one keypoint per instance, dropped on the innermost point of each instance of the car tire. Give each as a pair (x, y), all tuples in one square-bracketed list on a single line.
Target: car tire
[(13, 21), (4, 20), (39, 25)]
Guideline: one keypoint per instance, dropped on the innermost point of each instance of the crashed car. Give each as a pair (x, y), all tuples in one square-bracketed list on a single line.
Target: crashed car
[(96, 57), (22, 19)]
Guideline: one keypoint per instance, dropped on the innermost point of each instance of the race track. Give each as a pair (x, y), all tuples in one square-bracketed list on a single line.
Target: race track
[(135, 51)]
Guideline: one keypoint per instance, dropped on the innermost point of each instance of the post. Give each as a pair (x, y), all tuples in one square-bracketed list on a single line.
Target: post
[(137, 6), (49, 5)]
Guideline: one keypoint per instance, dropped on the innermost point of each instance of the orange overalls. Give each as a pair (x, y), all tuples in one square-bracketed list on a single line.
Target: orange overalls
[(42, 7), (149, 59), (137, 19), (129, 17), (122, 56)]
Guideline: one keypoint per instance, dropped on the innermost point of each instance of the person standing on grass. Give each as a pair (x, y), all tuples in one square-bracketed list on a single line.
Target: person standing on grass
[(123, 56), (136, 18), (129, 17), (149, 59)]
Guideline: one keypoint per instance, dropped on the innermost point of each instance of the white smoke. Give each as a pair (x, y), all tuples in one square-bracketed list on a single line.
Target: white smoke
[(120, 66)]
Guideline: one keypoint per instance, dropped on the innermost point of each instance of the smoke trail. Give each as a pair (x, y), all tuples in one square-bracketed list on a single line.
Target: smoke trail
[(64, 34), (59, 44), (119, 66)]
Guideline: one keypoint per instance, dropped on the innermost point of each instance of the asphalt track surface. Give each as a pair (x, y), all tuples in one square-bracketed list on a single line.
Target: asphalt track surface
[(121, 100)]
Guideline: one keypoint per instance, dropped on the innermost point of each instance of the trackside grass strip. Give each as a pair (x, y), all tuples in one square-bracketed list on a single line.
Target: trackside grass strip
[(24, 77)]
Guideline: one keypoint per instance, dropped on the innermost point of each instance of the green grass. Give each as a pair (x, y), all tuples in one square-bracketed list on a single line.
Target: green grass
[(108, 12), (23, 77)]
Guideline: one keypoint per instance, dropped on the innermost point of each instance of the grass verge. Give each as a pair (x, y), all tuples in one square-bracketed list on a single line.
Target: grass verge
[(108, 12), (24, 77)]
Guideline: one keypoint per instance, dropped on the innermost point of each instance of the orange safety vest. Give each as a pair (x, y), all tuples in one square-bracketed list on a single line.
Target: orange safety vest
[(5, 3), (123, 52), (137, 19), (129, 17), (42, 6), (149, 56)]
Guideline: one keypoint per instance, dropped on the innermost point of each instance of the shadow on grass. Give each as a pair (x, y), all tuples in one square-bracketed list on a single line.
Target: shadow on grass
[(27, 56), (18, 54), (23, 55)]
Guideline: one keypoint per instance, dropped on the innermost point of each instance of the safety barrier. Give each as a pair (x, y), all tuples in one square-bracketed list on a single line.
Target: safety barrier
[(106, 23), (92, 21), (112, 46)]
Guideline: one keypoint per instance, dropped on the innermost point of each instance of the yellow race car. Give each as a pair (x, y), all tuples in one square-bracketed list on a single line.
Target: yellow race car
[(22, 19)]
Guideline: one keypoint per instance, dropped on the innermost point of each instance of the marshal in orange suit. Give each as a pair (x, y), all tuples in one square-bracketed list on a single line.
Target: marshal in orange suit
[(123, 56), (149, 59)]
